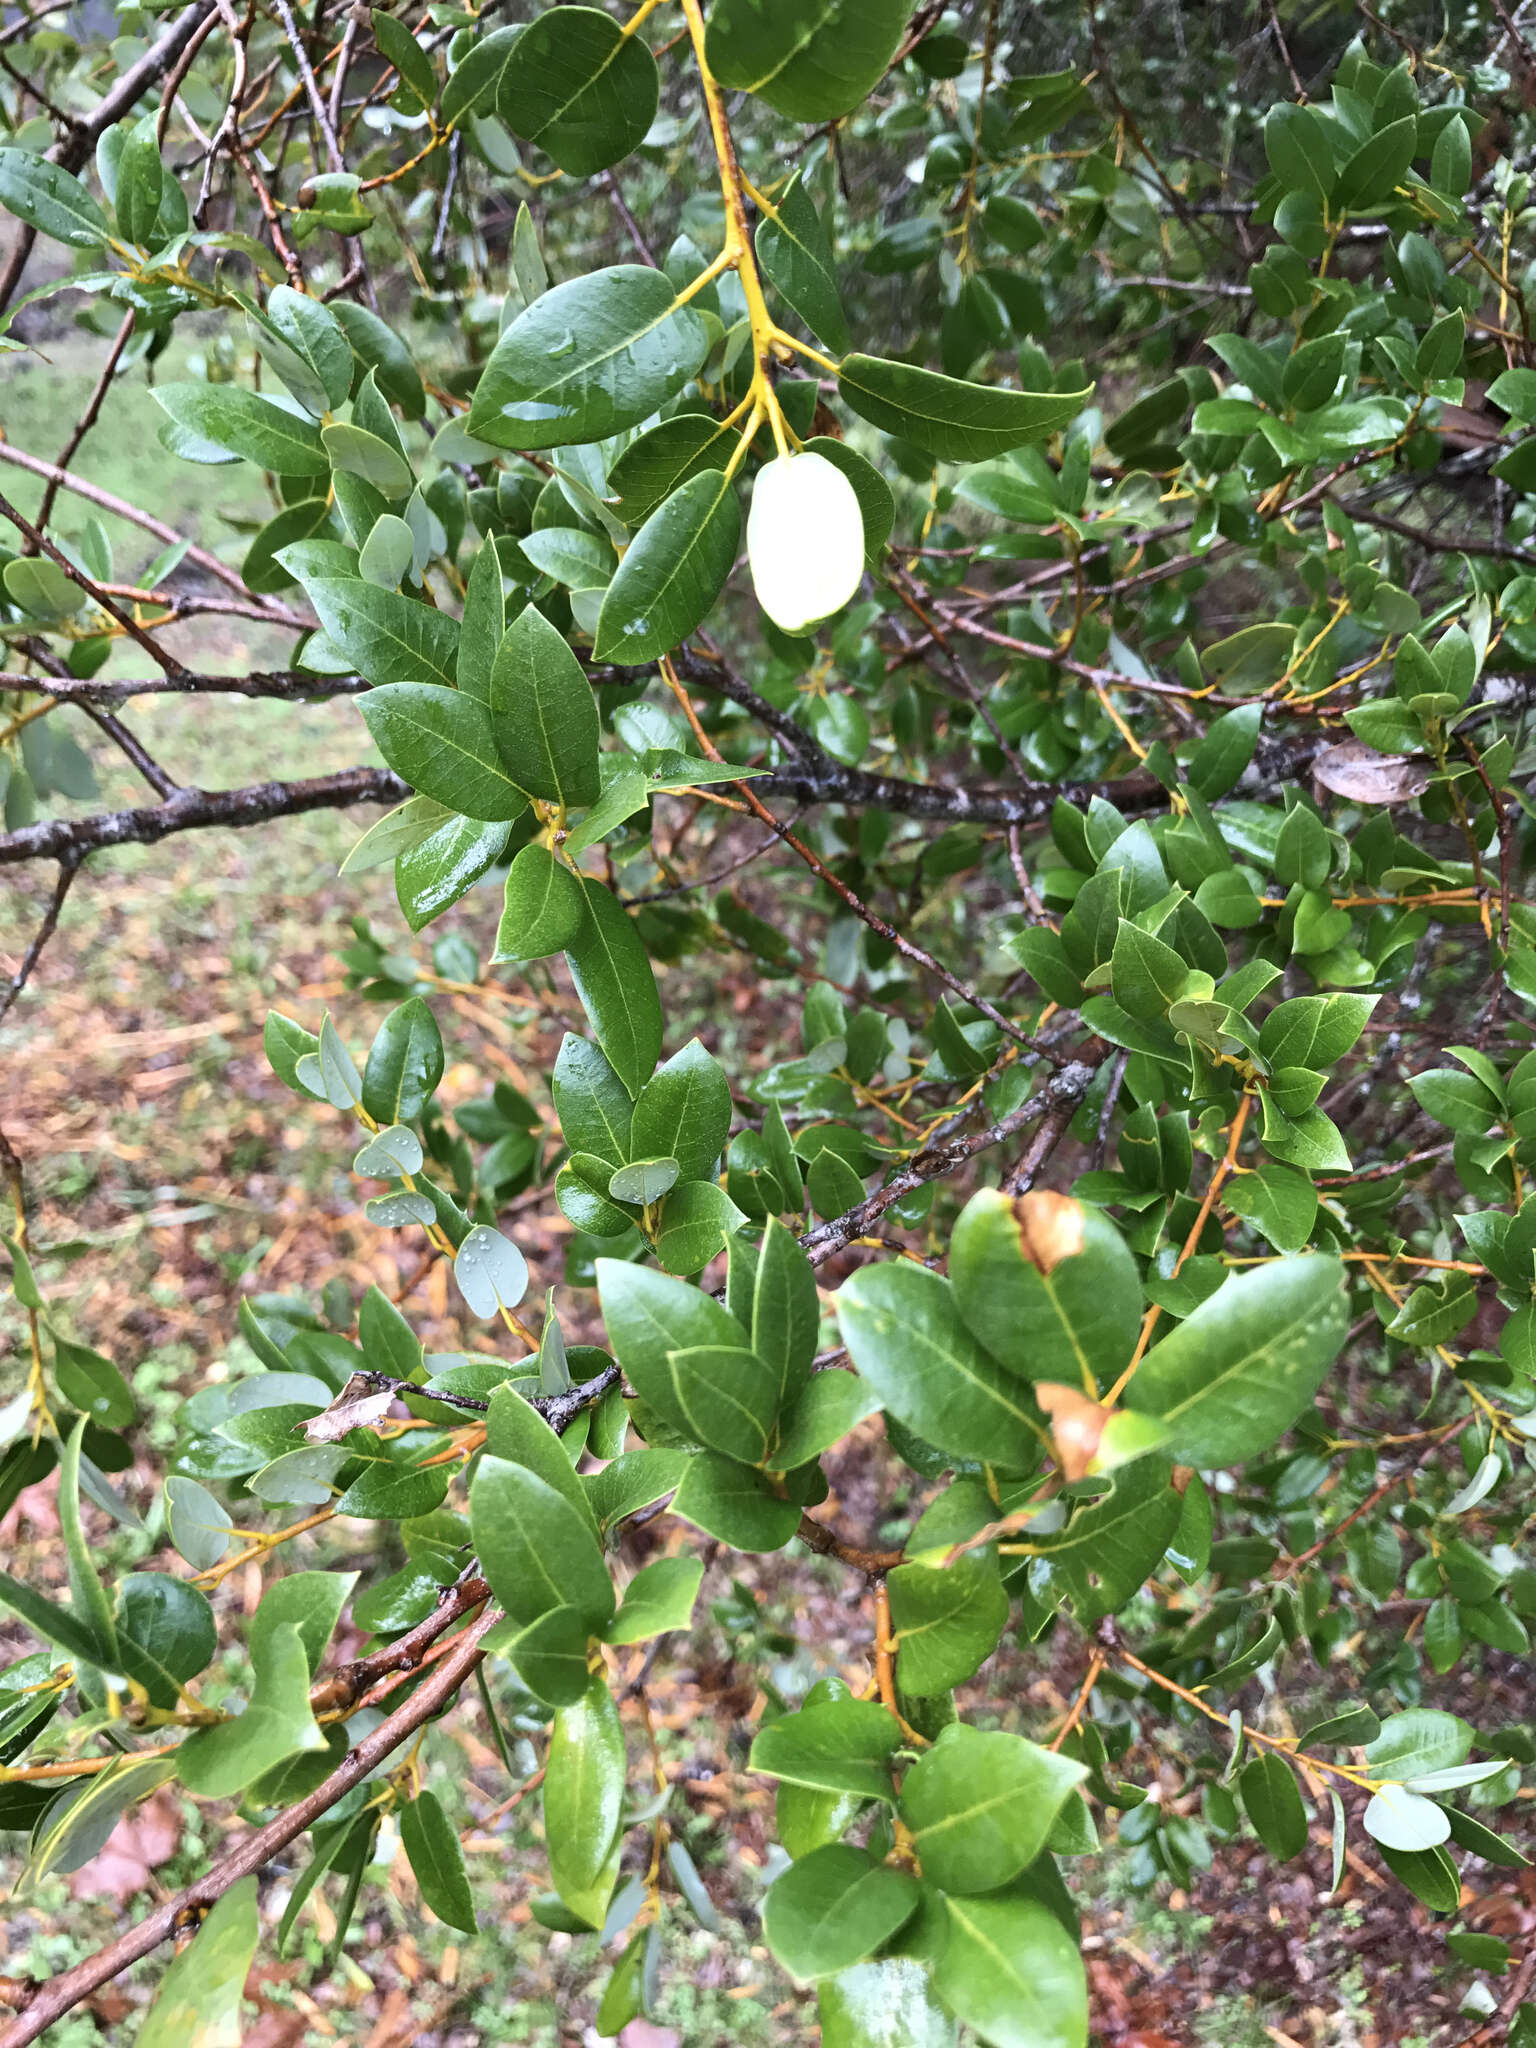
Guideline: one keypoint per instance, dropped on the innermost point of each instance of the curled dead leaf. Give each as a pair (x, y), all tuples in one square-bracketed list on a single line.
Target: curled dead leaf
[(357, 1406), (1077, 1424), (1358, 772), (1050, 1228)]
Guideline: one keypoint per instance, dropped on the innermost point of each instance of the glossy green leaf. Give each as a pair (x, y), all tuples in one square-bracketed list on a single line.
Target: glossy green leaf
[(217, 1762), (660, 1597), (617, 989), (1239, 1371), (440, 741), (543, 713), (437, 1861), (796, 258), (903, 1330), (587, 359), (672, 571), (1273, 1802), (1010, 1971), (735, 1504), (952, 420), (580, 88), (834, 1746), (535, 1548), (583, 1796), (833, 1908), (884, 2004), (980, 1806), (947, 1621), (542, 908), (48, 198), (812, 60), (387, 638), (245, 425)]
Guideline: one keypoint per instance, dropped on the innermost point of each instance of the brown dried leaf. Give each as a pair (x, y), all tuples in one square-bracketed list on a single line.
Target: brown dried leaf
[(1358, 772), (1077, 1424), (1050, 1227), (357, 1406)]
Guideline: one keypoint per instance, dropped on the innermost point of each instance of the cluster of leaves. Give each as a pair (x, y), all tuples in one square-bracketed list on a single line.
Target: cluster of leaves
[(511, 523)]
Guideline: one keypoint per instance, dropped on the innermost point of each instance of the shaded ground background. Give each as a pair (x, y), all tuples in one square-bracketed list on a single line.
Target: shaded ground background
[(161, 1149)]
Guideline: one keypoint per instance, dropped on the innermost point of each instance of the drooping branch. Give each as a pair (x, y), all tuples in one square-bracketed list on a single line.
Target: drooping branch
[(62, 1993)]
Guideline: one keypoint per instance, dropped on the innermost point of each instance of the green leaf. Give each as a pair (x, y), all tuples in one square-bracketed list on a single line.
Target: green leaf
[(831, 1405), (580, 88), (1012, 1972), (544, 714), (796, 258), (387, 638), (405, 1064), (535, 1548), (199, 1525), (834, 1746), (165, 1633), (583, 1798), (47, 198), (684, 1113), (595, 1109), (1416, 1742), (440, 742), (1048, 1286), (1300, 155), (1110, 1545), (87, 1594), (446, 864), (353, 449), (92, 1384), (658, 1598), (399, 47), (197, 2004), (588, 359), (884, 2004), (903, 1330), (378, 348), (812, 60), (1431, 1875), (56, 1624), (542, 908), (1237, 1373), (437, 1861), (1276, 1200), (217, 1762), (307, 347), (980, 1806), (694, 1222), (735, 1504), (140, 177), (658, 461), (947, 1622), (833, 1908), (311, 1602), (786, 1311), (612, 972), (633, 1481), (517, 1432), (246, 426), (550, 1656), (1379, 164), (1273, 1802), (951, 419), (473, 87), (672, 571)]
